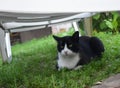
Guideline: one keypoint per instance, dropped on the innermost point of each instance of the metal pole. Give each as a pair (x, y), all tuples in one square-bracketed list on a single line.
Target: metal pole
[(5, 46), (76, 27)]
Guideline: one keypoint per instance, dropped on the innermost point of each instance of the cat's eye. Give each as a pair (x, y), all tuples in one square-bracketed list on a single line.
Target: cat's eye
[(61, 46), (70, 45)]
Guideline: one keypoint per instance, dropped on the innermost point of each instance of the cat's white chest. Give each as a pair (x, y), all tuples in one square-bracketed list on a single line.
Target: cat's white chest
[(68, 61)]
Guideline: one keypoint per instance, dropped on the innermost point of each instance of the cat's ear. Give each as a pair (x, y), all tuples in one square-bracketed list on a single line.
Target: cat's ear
[(56, 38), (75, 36)]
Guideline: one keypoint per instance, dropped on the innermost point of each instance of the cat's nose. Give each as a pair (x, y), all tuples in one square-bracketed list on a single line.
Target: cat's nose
[(66, 53)]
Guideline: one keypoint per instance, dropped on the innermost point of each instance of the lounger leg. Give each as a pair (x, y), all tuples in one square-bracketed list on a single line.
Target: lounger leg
[(76, 26), (88, 26), (5, 46)]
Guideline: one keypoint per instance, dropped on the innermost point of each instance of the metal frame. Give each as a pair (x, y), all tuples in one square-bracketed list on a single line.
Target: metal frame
[(5, 46)]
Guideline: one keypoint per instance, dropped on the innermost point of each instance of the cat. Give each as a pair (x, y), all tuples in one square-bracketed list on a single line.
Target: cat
[(75, 51)]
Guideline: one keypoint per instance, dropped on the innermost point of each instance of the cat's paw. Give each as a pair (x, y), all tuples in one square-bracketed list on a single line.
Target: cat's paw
[(78, 67)]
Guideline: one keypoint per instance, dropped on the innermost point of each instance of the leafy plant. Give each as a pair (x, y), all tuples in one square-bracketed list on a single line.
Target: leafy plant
[(107, 21)]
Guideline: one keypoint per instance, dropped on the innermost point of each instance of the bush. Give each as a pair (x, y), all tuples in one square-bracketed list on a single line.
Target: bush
[(108, 22)]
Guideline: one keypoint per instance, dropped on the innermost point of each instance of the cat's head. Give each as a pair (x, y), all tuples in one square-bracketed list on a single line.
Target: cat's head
[(68, 45)]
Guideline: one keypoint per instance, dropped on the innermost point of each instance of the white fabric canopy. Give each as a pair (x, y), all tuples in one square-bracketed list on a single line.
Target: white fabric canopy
[(58, 6)]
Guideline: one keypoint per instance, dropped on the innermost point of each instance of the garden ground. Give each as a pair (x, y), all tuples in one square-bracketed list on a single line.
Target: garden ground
[(111, 82), (33, 65)]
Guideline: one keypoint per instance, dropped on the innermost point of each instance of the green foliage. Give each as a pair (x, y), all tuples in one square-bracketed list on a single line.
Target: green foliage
[(107, 22), (33, 65)]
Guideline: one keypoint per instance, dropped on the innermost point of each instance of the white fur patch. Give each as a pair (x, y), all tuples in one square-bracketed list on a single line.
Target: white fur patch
[(67, 58)]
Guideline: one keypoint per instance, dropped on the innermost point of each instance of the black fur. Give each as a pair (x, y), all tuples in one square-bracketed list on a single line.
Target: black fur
[(87, 47)]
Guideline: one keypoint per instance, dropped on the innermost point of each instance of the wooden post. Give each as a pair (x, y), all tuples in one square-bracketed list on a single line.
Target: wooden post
[(5, 46), (88, 26)]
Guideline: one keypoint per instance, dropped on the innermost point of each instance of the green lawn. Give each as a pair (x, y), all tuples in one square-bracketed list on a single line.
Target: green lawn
[(33, 65)]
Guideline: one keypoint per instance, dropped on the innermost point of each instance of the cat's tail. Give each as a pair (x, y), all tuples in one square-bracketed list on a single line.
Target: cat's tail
[(97, 46)]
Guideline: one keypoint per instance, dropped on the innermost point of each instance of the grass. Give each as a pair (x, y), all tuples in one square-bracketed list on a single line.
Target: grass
[(33, 65)]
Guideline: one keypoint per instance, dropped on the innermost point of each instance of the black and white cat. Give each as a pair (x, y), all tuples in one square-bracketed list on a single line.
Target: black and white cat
[(75, 51)]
